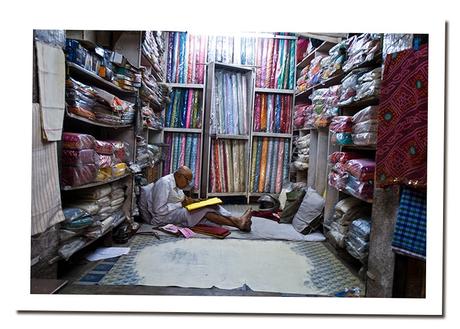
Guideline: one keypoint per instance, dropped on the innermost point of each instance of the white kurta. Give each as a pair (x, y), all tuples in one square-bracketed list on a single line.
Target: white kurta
[(167, 206)]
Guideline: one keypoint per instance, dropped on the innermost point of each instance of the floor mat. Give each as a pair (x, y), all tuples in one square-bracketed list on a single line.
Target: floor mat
[(306, 268)]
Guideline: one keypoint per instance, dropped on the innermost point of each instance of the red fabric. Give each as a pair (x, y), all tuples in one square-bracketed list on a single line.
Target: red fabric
[(266, 214), (403, 120), (216, 231)]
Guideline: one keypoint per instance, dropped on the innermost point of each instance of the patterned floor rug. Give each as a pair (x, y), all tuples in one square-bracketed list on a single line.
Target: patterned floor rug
[(292, 267)]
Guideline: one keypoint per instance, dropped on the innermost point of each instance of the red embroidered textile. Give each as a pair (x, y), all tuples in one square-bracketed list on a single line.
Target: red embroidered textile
[(403, 120)]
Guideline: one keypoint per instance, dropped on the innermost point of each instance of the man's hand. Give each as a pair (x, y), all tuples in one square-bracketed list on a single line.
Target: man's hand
[(187, 201)]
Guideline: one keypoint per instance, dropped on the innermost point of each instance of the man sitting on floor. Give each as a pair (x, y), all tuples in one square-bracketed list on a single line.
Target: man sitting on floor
[(165, 202)]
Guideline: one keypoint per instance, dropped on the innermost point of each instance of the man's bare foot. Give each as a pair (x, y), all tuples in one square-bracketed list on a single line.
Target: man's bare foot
[(245, 221)]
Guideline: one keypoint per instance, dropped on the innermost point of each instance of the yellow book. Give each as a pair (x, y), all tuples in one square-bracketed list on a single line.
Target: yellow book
[(204, 203)]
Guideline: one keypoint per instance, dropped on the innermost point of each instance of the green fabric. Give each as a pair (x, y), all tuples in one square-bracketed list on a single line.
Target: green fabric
[(293, 202)]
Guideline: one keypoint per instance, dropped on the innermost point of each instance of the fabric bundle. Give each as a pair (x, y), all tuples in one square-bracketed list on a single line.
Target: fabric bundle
[(228, 168), (96, 104), (302, 148), (324, 103), (270, 164), (272, 113), (186, 58), (184, 149), (145, 156), (185, 108), (153, 48), (151, 119), (151, 92), (301, 112), (365, 126), (363, 48), (275, 62), (332, 63), (229, 112), (357, 239), (345, 212), (393, 43)]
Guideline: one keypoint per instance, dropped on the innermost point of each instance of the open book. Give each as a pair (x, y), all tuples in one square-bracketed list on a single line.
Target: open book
[(204, 203)]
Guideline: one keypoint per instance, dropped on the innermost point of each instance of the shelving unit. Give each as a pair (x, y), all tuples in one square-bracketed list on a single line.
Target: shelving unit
[(212, 176)]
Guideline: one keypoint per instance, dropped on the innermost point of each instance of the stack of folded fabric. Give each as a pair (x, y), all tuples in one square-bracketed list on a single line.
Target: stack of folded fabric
[(349, 87), (346, 211), (98, 105), (151, 119), (365, 124), (302, 146), (302, 80), (324, 102), (369, 85), (153, 48), (144, 157), (89, 214), (313, 76), (357, 239), (79, 160), (363, 48), (360, 180), (151, 92), (341, 128), (126, 76), (332, 64), (338, 177)]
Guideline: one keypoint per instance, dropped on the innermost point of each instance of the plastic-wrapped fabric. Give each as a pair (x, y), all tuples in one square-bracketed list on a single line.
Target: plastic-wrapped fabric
[(372, 75), (342, 138), (78, 157), (363, 190), (342, 229), (357, 249), (361, 228), (336, 238), (69, 248), (393, 43), (105, 210), (104, 201), (367, 90), (357, 211), (71, 214), (104, 161), (343, 157), (368, 113), (78, 223), (365, 138), (361, 169), (94, 193), (120, 150), (338, 181), (341, 124), (117, 202), (103, 147), (75, 141), (119, 169), (66, 235), (78, 175), (118, 218), (117, 193), (103, 174), (90, 207), (365, 127)]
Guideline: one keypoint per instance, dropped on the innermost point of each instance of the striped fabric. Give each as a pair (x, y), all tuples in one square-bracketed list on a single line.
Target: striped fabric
[(410, 231), (46, 198)]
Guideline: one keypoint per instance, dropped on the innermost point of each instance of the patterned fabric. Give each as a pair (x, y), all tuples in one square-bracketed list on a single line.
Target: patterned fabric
[(403, 113), (410, 231)]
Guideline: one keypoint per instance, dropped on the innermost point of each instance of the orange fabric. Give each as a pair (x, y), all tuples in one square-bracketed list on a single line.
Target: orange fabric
[(263, 164)]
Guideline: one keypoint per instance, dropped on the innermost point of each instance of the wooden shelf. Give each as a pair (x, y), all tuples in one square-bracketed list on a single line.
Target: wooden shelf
[(360, 147), (362, 103), (70, 188), (226, 194), (183, 130), (225, 136), (278, 135), (185, 85), (93, 79), (154, 129), (95, 123), (261, 193), (274, 91)]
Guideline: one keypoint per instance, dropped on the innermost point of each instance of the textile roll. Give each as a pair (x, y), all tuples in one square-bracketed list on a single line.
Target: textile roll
[(184, 109), (263, 113), (274, 167), (268, 169), (258, 155), (269, 62), (272, 113), (279, 170), (263, 164)]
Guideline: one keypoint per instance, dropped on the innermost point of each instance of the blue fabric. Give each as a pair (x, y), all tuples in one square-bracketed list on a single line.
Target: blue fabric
[(410, 231)]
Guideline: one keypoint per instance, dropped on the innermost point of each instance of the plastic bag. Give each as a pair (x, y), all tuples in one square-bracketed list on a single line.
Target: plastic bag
[(120, 151), (69, 248), (365, 138), (337, 180), (103, 147), (365, 127), (367, 90), (341, 138), (78, 157), (117, 193), (104, 201), (359, 252), (119, 169), (78, 223), (78, 175), (341, 124), (52, 37), (363, 190), (336, 238), (346, 218), (362, 169), (368, 113), (361, 228), (90, 207), (343, 157), (104, 161), (95, 193), (71, 214), (117, 202), (75, 141), (375, 74), (65, 235), (118, 218), (103, 174)]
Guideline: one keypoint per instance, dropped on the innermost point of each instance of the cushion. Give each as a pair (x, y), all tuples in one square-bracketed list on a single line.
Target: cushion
[(308, 217), (145, 202), (293, 200)]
